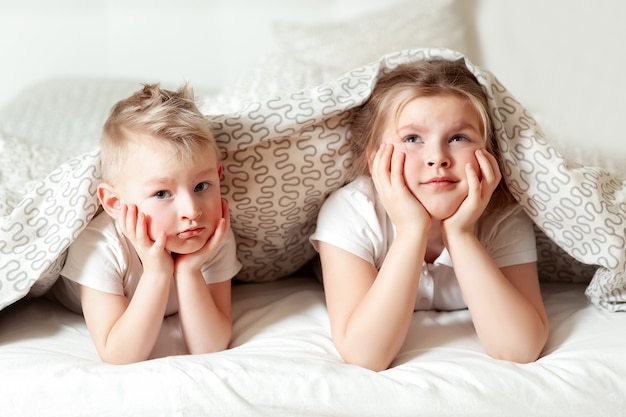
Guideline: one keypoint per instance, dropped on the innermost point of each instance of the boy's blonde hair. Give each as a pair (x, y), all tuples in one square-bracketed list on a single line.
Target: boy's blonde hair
[(394, 90), (171, 117)]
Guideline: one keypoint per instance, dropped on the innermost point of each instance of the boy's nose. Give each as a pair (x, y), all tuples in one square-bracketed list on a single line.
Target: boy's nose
[(190, 209)]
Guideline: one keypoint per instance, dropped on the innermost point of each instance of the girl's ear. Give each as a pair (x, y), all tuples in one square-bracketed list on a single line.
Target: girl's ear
[(109, 199)]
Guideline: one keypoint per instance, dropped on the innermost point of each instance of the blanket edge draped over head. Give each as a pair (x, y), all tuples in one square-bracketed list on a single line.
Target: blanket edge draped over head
[(284, 155)]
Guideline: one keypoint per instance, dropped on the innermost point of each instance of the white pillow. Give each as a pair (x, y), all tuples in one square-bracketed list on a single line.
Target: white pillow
[(65, 114), (363, 38), (311, 54)]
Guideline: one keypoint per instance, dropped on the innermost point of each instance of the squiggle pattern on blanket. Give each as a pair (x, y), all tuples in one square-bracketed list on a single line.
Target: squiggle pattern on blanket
[(284, 155)]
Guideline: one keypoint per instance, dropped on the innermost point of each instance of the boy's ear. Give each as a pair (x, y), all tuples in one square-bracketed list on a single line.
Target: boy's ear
[(220, 169), (109, 199)]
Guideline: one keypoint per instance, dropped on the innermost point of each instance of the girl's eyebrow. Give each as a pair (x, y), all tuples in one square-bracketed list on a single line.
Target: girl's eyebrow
[(460, 125)]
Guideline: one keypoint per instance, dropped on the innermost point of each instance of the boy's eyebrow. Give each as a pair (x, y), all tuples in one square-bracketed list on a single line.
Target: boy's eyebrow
[(165, 180)]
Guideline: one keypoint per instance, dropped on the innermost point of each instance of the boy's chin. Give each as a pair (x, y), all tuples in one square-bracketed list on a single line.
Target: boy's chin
[(185, 248)]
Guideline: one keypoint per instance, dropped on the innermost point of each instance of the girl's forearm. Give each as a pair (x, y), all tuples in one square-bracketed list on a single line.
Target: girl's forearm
[(377, 328), (508, 324)]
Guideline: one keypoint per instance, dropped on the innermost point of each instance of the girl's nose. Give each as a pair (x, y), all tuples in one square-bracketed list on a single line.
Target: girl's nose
[(443, 163)]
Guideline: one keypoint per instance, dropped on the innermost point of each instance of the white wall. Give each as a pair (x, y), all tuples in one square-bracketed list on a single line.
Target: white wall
[(564, 59), (207, 42)]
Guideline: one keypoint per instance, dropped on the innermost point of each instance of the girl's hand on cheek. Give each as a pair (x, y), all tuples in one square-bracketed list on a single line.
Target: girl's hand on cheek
[(134, 226), (193, 261), (404, 209), (480, 190)]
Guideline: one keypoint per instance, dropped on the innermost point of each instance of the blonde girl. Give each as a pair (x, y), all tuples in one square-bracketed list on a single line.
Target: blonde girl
[(427, 223)]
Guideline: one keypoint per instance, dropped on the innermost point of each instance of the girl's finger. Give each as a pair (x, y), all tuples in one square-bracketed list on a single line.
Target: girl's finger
[(397, 165), (489, 167), (381, 166), (473, 183), (382, 157)]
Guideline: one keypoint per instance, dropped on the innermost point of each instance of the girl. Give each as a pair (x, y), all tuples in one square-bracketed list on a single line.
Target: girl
[(427, 223)]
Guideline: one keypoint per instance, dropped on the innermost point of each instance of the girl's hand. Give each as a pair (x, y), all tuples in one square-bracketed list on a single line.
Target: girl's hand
[(193, 261), (152, 254), (479, 193), (404, 209)]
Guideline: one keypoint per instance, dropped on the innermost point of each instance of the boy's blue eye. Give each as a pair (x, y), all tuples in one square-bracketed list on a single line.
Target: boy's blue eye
[(162, 194), (201, 187)]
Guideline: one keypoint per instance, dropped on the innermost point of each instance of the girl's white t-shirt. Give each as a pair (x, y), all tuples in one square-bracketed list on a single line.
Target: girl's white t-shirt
[(354, 219)]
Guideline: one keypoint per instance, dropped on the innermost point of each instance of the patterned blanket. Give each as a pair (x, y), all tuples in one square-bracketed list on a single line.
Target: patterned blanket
[(283, 155)]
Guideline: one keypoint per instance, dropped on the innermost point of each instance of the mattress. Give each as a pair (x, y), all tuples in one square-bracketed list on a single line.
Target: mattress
[(282, 362)]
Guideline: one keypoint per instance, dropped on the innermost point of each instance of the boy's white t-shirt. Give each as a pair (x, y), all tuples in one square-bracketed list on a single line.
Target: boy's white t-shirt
[(354, 219), (102, 258)]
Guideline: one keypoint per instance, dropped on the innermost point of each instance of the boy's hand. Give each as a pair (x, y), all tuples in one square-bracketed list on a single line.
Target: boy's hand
[(152, 254), (479, 193), (403, 208), (193, 261)]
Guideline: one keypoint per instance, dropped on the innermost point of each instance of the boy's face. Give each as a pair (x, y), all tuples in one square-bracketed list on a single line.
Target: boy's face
[(440, 135), (178, 196)]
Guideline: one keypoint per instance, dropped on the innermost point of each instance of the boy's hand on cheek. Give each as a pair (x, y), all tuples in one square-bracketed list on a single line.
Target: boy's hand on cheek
[(152, 253), (193, 261)]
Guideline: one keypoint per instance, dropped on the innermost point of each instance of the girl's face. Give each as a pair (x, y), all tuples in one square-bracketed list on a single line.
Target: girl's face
[(179, 196), (439, 135)]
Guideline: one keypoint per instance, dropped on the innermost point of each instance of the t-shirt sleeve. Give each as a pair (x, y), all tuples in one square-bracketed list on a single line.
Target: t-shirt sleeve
[(510, 239), (224, 265), (96, 260), (348, 220)]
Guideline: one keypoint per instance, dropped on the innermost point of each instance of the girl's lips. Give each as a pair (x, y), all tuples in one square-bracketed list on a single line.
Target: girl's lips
[(440, 181), (189, 233)]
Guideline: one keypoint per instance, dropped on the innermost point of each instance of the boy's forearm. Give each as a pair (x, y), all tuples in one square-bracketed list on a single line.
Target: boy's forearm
[(133, 335), (206, 327)]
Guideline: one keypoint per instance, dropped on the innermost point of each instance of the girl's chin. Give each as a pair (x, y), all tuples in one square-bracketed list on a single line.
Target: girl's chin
[(441, 212)]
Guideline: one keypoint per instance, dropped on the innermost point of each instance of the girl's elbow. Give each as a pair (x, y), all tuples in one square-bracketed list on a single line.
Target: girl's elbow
[(364, 358), (523, 353)]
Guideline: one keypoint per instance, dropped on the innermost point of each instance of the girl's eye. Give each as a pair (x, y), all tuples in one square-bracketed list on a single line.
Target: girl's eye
[(162, 194), (459, 138), (412, 139), (203, 186)]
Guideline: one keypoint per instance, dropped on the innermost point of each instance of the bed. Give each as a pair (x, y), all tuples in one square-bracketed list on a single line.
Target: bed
[(281, 126)]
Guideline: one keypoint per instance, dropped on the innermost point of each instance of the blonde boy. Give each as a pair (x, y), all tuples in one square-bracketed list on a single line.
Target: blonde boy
[(163, 243)]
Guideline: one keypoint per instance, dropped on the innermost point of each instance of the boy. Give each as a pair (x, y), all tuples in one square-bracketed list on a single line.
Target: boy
[(163, 243)]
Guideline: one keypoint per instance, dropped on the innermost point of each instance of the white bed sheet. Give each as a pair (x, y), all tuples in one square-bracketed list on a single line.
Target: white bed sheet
[(283, 363)]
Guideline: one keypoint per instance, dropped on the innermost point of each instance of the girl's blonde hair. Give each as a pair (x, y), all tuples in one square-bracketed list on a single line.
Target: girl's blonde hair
[(171, 117), (394, 90)]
